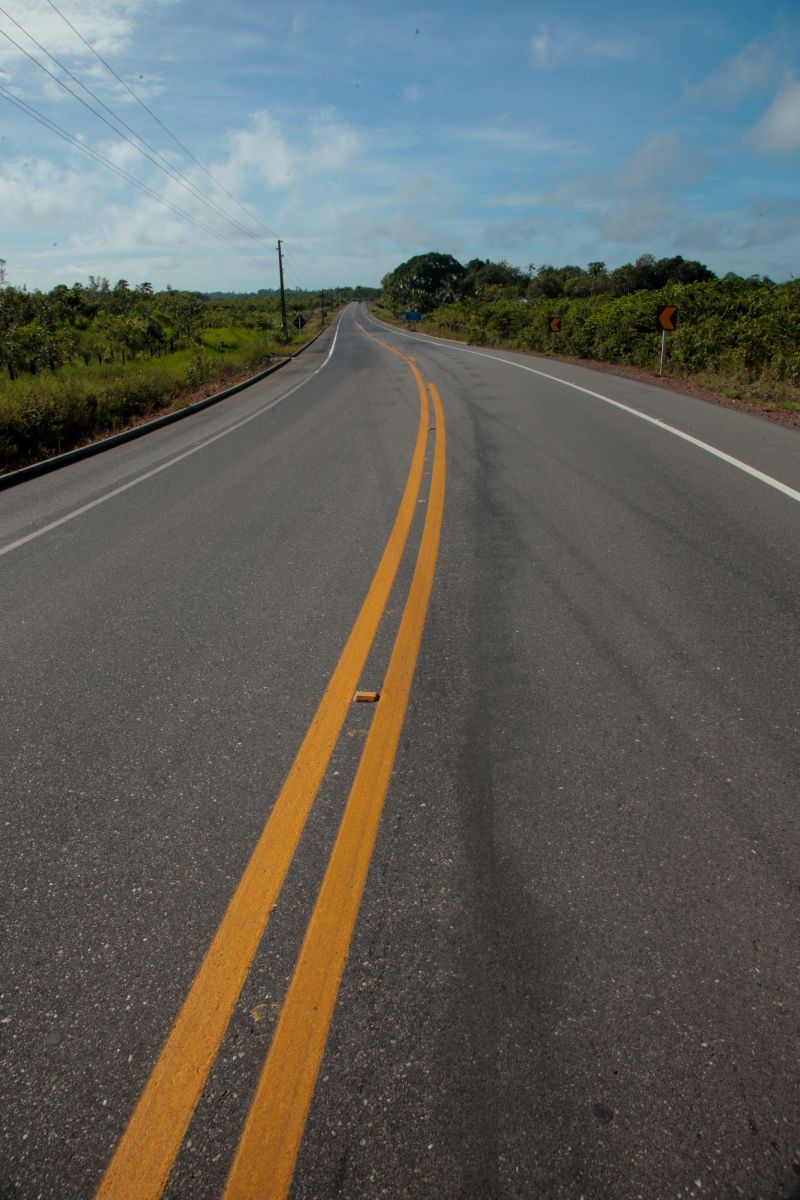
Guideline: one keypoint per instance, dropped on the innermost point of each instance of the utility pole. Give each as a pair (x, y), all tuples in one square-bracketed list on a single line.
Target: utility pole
[(284, 319), (322, 307)]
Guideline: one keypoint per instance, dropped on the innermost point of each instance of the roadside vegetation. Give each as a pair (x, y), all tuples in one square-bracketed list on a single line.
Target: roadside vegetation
[(79, 362), (737, 337)]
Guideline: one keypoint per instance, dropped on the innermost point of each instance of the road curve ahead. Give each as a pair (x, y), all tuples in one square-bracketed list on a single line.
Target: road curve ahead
[(522, 920)]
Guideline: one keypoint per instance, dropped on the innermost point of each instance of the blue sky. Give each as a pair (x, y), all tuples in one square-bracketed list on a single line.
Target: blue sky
[(362, 133)]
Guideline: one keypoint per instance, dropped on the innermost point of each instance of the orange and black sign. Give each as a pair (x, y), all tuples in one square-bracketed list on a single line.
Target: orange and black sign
[(555, 324), (667, 318)]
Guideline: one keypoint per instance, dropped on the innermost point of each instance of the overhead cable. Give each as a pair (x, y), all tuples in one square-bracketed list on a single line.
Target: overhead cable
[(164, 165), (122, 173), (158, 121)]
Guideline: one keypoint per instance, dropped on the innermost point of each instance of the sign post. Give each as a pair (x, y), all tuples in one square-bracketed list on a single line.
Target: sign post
[(413, 316), (555, 327), (299, 321), (667, 322)]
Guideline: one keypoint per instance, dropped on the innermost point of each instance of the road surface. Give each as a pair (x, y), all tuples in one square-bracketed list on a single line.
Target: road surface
[(525, 925)]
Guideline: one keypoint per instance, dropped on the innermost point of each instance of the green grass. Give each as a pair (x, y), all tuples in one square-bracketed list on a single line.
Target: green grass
[(766, 392), (48, 413)]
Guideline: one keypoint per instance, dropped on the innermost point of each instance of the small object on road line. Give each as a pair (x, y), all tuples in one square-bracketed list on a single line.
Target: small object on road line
[(367, 697), (603, 1113)]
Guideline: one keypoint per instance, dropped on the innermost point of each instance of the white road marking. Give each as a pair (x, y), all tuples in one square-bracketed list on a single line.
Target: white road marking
[(77, 512), (330, 352), (657, 421)]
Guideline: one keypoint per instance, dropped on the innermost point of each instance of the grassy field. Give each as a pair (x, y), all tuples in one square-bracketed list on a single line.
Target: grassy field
[(53, 411)]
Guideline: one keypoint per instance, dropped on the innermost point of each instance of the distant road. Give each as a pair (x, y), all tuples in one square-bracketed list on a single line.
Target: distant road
[(523, 923)]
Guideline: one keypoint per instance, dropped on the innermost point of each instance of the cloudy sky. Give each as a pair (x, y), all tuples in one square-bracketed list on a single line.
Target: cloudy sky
[(364, 132)]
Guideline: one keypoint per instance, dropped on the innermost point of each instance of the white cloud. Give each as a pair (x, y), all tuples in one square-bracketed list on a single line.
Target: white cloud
[(641, 202), (747, 72), (38, 192), (104, 220), (389, 224), (146, 85), (527, 237), (567, 45), (122, 154), (527, 139), (261, 150), (119, 230), (662, 160), (333, 144), (540, 48), (515, 200), (769, 223), (108, 25), (264, 151), (778, 131), (633, 219)]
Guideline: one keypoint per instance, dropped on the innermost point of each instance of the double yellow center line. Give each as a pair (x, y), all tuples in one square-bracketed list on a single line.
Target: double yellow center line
[(265, 1158)]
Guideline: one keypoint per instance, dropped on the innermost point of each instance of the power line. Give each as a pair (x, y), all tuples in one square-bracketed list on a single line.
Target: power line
[(298, 280), (168, 169), (296, 269), (158, 121), (122, 173)]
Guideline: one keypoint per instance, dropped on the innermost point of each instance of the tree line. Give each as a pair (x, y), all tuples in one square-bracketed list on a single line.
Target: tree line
[(427, 281), (100, 323), (740, 334)]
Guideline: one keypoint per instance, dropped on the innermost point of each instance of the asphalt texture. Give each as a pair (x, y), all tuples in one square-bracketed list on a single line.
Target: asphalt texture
[(576, 968)]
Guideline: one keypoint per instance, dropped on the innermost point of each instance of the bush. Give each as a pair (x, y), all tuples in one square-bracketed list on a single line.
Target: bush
[(45, 414), (725, 325), (745, 333)]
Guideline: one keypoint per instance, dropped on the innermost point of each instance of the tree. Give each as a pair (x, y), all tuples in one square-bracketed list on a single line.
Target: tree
[(650, 274), (424, 282), (482, 275), (548, 282), (598, 276)]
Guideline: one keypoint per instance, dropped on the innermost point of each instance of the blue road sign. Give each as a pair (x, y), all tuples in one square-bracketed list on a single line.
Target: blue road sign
[(413, 316)]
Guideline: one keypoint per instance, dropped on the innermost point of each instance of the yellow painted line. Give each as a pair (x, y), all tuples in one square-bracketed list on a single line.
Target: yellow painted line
[(143, 1157), (271, 1138), (408, 358)]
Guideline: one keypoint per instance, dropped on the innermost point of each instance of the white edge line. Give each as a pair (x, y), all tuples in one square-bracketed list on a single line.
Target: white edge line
[(77, 512), (657, 421)]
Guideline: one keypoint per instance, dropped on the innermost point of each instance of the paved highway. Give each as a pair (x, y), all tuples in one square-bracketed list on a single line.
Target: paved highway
[(525, 925)]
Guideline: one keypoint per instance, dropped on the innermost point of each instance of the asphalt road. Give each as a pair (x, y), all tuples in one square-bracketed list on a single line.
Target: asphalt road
[(575, 969)]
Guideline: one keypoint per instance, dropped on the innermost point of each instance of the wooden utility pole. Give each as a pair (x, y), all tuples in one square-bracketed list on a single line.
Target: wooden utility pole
[(284, 319)]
